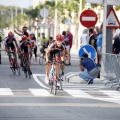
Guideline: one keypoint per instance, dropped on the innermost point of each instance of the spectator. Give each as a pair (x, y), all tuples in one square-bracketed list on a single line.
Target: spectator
[(71, 37), (92, 40), (90, 65), (44, 43), (99, 47), (116, 45), (34, 46), (83, 39), (67, 43)]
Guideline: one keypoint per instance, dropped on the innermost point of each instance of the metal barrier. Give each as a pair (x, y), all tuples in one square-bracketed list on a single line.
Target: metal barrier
[(116, 63), (109, 67)]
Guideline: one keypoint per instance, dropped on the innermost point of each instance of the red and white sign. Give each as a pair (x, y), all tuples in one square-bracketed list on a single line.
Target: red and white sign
[(112, 19), (88, 18)]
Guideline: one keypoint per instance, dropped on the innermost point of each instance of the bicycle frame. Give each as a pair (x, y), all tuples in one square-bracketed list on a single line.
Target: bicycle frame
[(15, 65), (26, 66)]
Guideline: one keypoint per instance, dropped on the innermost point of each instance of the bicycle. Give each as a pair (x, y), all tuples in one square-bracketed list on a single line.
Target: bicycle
[(41, 58), (14, 62), (52, 79), (26, 68)]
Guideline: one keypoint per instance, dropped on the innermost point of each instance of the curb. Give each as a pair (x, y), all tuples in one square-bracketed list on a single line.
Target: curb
[(72, 77)]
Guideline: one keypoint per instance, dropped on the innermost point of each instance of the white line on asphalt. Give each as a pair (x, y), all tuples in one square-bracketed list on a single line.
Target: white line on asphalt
[(114, 94), (6, 91), (40, 92), (78, 93), (37, 80)]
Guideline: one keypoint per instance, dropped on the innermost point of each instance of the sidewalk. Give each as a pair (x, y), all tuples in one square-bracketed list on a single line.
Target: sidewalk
[(73, 77)]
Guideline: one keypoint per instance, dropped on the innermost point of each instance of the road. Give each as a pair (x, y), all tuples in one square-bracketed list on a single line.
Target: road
[(29, 99)]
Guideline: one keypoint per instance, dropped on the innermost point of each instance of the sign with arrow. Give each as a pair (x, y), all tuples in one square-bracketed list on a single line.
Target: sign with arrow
[(90, 50)]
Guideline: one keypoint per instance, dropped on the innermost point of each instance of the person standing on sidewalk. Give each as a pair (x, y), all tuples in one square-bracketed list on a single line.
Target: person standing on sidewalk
[(67, 44), (99, 47), (92, 70), (83, 38)]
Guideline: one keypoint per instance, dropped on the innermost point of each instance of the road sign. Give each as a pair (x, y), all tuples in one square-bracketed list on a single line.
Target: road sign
[(88, 18), (112, 19), (68, 22), (44, 12), (90, 50), (44, 26), (95, 1)]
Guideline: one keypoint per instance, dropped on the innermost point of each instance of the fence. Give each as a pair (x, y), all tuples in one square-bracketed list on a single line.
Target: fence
[(112, 68)]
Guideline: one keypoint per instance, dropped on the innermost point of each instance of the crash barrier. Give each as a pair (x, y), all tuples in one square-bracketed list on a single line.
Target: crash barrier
[(111, 64)]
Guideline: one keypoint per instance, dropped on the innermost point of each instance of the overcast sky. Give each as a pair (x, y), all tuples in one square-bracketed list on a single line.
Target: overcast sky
[(20, 3)]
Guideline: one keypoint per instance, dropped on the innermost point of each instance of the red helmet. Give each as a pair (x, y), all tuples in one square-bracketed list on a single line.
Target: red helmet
[(24, 37), (59, 37), (10, 35)]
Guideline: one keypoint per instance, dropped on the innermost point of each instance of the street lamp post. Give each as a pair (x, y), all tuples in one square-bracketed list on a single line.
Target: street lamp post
[(80, 10), (55, 20)]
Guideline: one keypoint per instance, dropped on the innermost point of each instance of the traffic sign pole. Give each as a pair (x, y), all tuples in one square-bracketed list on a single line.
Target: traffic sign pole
[(104, 32)]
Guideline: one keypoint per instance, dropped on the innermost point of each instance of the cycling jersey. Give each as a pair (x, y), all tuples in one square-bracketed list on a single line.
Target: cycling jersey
[(25, 47), (54, 47), (10, 43), (55, 51)]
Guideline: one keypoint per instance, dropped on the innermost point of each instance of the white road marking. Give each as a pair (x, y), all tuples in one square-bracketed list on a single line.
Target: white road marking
[(6, 91), (113, 94), (37, 80), (40, 92), (78, 93)]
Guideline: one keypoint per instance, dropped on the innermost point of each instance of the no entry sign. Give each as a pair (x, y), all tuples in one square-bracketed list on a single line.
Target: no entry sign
[(88, 18)]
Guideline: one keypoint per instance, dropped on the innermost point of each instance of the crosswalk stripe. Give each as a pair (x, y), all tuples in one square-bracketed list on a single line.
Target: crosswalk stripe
[(6, 91), (40, 92), (78, 93), (113, 94)]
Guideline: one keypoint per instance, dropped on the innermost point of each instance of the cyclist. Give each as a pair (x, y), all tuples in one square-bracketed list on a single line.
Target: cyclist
[(25, 47), (22, 32), (34, 46), (44, 43), (10, 46), (56, 49)]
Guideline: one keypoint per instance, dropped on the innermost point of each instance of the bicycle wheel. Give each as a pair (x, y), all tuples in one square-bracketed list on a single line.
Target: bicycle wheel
[(25, 71), (60, 83), (55, 87), (18, 70), (13, 70), (41, 58), (50, 86), (29, 74)]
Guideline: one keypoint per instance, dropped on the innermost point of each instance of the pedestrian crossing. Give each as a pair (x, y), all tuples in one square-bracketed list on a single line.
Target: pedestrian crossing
[(69, 89)]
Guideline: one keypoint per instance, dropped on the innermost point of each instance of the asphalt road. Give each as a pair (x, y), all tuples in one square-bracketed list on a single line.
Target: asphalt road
[(29, 99)]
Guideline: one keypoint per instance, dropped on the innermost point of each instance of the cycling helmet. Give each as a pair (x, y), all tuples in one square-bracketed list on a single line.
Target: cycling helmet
[(10, 35), (24, 37), (59, 37)]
